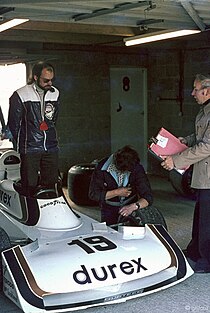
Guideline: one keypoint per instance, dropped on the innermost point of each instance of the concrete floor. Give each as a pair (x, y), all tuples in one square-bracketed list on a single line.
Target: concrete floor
[(192, 295)]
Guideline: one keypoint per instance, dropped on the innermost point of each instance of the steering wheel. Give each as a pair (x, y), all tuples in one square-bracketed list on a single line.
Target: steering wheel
[(46, 193), (131, 220)]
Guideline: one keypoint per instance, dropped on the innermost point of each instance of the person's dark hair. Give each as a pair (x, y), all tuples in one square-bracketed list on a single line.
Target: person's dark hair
[(126, 158), (37, 70)]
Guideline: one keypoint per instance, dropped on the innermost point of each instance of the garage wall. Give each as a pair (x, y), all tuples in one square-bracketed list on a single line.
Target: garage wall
[(171, 75), (83, 79), (84, 120)]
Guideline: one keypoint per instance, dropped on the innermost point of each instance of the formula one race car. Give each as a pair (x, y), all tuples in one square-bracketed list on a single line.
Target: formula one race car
[(55, 259)]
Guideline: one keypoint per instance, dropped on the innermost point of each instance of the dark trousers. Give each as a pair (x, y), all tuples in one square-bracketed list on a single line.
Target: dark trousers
[(110, 215), (199, 246), (38, 169)]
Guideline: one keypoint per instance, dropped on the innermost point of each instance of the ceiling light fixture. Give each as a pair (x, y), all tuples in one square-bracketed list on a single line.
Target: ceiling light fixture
[(12, 23), (138, 40)]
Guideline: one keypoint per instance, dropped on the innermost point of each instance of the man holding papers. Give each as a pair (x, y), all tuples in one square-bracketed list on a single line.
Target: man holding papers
[(198, 154)]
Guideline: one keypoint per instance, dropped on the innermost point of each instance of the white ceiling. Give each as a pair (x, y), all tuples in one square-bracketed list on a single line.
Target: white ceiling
[(99, 22)]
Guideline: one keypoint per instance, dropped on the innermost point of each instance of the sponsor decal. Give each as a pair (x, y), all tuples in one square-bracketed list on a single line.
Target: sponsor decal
[(9, 288), (54, 202), (85, 276), (99, 243), (49, 111), (5, 198)]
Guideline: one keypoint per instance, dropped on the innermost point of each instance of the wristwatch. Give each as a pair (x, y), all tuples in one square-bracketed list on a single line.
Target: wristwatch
[(138, 205)]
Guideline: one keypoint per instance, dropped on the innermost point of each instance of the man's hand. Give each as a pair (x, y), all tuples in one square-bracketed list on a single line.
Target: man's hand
[(124, 191), (182, 140), (127, 209), (119, 192), (168, 162)]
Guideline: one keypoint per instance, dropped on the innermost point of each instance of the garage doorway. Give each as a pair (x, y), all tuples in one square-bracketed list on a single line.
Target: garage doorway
[(12, 77)]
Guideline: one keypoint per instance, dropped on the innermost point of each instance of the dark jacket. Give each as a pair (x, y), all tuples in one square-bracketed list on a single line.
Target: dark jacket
[(102, 181), (25, 117)]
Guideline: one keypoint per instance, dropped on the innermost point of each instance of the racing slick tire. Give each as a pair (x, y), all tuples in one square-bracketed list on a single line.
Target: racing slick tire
[(181, 183), (140, 217), (4, 245), (79, 177)]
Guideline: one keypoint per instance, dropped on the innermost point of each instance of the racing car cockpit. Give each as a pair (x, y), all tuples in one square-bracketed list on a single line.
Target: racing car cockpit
[(10, 177), (46, 208)]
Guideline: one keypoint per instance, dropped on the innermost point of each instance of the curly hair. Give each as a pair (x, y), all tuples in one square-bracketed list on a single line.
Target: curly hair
[(126, 158), (37, 70)]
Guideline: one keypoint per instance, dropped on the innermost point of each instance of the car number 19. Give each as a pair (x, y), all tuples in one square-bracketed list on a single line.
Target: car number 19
[(93, 244)]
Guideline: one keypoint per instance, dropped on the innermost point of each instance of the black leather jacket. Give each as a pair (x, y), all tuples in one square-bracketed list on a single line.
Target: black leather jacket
[(102, 181), (25, 117)]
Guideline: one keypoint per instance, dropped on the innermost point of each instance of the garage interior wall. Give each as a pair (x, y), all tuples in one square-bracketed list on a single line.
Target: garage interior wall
[(84, 121), (83, 79)]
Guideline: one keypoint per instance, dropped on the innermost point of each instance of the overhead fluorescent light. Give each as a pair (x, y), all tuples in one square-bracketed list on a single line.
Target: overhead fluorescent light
[(12, 23), (138, 40)]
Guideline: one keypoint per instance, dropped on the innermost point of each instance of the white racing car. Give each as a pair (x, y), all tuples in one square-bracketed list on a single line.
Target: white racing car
[(55, 259)]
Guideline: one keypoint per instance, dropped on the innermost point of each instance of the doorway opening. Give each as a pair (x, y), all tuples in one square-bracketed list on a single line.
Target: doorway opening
[(12, 77)]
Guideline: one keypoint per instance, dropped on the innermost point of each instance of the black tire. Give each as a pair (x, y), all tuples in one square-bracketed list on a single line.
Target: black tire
[(148, 215), (79, 177), (4, 245), (181, 183)]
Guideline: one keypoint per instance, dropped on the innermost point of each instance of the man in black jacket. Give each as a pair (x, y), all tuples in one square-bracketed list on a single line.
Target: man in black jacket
[(120, 185), (33, 112)]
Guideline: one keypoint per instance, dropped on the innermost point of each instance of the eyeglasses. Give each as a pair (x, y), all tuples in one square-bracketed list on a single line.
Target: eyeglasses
[(197, 90), (45, 80)]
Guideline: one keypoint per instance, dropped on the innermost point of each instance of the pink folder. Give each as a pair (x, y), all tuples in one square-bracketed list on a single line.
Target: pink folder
[(166, 144)]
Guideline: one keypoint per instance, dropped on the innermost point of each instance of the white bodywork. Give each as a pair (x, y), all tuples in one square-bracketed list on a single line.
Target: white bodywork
[(74, 262)]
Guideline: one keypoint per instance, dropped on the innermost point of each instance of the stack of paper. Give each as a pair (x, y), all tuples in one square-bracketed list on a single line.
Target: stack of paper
[(166, 144)]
